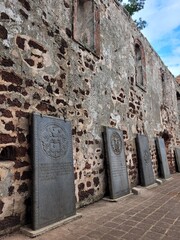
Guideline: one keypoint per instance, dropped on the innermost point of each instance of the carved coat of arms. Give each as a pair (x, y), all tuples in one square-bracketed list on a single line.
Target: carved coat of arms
[(54, 141)]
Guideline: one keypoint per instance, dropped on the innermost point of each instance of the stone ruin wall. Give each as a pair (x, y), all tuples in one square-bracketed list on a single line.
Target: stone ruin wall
[(44, 70)]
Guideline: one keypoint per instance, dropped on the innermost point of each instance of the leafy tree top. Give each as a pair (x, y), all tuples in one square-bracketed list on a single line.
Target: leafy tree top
[(134, 6)]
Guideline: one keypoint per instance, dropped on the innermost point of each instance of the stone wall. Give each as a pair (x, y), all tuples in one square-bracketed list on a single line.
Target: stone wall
[(47, 67)]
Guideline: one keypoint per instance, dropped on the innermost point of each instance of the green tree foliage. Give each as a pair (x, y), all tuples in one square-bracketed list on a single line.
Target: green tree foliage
[(134, 6)]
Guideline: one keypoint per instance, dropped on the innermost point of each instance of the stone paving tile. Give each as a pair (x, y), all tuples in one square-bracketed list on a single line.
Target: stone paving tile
[(172, 233), (95, 234), (177, 223), (155, 216), (78, 231), (166, 219), (130, 223), (161, 211), (147, 211), (149, 221), (143, 225), (158, 229), (130, 236), (111, 225), (113, 214), (69, 237), (84, 238), (170, 238), (118, 220), (153, 235), (172, 215), (175, 228), (109, 237), (136, 218), (103, 229), (103, 219), (124, 227), (124, 216), (90, 226), (137, 231), (117, 233), (131, 212), (163, 225)]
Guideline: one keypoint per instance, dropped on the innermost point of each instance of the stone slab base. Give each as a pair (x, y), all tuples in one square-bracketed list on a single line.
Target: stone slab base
[(160, 181), (34, 233), (152, 186), (169, 179), (139, 190), (116, 199)]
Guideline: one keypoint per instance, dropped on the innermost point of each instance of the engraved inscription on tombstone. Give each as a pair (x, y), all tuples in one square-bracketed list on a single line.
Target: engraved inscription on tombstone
[(53, 173), (163, 163), (116, 163), (177, 156), (145, 164)]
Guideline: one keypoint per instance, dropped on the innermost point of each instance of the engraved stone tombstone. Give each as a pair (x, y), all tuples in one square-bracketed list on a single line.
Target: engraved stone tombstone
[(163, 163), (53, 173), (145, 165), (116, 163), (177, 156)]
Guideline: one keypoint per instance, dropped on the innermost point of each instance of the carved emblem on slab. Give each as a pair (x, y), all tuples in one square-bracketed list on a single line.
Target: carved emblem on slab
[(146, 157), (54, 141), (116, 143)]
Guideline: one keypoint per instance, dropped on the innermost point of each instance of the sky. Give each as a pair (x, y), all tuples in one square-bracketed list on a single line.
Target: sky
[(163, 30)]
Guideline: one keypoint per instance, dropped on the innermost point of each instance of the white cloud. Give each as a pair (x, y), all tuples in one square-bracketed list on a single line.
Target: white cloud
[(163, 30), (176, 50), (162, 17)]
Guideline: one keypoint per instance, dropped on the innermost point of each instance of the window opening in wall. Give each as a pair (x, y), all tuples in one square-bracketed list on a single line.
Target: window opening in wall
[(162, 76), (178, 96), (139, 73), (86, 25), (140, 66), (178, 103)]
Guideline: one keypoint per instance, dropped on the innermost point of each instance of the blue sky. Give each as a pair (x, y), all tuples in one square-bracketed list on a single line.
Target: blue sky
[(163, 30)]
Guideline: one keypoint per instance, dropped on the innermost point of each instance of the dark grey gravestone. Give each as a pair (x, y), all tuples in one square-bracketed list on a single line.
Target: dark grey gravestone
[(177, 156), (116, 163), (163, 163), (145, 162), (53, 173)]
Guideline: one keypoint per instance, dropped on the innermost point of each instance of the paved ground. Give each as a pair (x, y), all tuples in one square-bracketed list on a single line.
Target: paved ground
[(153, 215)]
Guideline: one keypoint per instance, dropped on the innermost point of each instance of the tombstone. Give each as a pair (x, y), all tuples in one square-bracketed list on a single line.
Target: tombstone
[(116, 163), (177, 156), (53, 173), (145, 163), (163, 163)]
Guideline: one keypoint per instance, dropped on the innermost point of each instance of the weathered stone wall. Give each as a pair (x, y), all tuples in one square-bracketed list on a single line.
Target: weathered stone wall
[(44, 70)]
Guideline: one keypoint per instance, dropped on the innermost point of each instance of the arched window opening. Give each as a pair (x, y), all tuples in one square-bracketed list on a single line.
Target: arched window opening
[(86, 25), (140, 65), (162, 77)]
